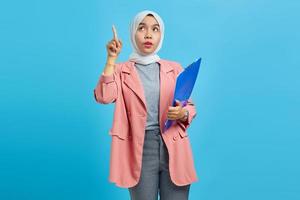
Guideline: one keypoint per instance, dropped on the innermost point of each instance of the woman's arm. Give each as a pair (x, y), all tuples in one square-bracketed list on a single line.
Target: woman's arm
[(106, 90)]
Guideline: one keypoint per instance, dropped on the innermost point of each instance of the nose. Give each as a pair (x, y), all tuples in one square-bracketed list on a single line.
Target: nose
[(148, 36)]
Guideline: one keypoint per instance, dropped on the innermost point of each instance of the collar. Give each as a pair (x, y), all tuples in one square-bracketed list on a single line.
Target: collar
[(165, 67)]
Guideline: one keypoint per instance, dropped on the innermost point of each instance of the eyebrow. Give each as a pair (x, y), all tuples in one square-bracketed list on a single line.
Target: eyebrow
[(145, 24)]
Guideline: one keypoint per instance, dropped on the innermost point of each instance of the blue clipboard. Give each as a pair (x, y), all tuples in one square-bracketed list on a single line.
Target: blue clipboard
[(184, 86)]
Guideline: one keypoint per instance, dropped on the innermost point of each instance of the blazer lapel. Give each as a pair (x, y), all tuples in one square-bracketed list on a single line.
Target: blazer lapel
[(132, 80), (166, 84)]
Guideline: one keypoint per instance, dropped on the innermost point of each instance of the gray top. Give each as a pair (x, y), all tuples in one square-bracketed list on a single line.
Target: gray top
[(149, 75)]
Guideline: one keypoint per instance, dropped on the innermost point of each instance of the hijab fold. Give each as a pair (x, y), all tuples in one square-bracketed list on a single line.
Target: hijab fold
[(137, 56)]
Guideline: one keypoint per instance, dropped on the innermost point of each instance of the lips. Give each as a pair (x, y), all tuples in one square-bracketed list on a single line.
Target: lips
[(148, 45)]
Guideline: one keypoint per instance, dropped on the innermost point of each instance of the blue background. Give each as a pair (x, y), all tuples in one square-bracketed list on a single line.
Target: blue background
[(54, 137)]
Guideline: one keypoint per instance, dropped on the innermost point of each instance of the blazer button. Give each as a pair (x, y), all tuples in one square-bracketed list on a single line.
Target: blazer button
[(175, 137)]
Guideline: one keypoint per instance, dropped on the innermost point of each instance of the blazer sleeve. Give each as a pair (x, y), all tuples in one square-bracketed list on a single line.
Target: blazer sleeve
[(108, 87), (190, 107)]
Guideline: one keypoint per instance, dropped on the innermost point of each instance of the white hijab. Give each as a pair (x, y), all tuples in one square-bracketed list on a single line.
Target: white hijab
[(137, 56)]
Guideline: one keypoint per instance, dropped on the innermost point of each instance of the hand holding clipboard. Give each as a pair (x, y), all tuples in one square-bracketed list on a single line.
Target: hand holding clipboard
[(184, 86)]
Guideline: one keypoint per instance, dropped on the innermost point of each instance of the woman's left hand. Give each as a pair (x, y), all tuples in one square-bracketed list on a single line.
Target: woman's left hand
[(177, 112)]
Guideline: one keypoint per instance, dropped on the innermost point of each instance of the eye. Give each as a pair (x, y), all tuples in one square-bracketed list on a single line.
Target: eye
[(141, 28), (156, 29)]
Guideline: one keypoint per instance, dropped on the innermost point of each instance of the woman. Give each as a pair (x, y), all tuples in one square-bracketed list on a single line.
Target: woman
[(145, 158)]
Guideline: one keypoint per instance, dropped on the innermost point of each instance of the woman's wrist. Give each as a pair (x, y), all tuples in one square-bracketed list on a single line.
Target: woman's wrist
[(185, 116), (111, 60), (109, 65)]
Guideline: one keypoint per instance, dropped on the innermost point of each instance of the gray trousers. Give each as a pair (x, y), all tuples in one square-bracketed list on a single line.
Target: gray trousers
[(155, 177)]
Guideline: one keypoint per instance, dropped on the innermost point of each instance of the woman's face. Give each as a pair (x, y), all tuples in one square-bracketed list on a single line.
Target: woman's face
[(148, 35)]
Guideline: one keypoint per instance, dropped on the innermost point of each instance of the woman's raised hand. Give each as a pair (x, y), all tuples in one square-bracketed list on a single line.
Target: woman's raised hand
[(115, 45)]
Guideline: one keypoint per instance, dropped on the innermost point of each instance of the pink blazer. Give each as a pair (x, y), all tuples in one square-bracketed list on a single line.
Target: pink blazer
[(124, 88)]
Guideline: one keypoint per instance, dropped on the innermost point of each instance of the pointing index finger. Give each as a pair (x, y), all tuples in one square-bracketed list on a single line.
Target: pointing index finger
[(115, 33)]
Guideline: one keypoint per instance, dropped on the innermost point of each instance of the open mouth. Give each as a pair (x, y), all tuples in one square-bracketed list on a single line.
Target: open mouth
[(148, 44)]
